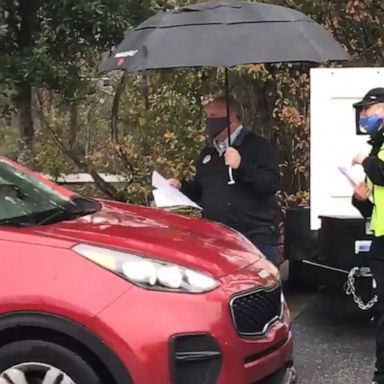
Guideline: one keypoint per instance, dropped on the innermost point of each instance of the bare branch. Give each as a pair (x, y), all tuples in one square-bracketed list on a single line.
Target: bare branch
[(85, 166), (73, 129), (115, 108)]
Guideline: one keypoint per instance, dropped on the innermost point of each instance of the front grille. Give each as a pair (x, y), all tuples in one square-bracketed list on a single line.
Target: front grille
[(253, 312)]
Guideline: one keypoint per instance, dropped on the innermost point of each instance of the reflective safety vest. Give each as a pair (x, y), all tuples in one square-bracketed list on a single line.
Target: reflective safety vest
[(377, 219)]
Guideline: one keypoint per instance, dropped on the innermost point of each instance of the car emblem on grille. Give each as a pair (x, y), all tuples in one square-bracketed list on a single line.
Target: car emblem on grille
[(263, 274)]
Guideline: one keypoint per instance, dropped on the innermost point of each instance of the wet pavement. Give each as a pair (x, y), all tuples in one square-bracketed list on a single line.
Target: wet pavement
[(334, 341)]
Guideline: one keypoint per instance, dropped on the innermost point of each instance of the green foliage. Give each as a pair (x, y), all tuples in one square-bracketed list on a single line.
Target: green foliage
[(58, 44), (164, 132)]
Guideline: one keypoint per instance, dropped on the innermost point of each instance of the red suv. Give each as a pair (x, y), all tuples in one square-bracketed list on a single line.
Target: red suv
[(101, 292)]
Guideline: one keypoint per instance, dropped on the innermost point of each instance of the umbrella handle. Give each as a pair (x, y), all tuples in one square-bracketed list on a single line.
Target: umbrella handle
[(231, 180)]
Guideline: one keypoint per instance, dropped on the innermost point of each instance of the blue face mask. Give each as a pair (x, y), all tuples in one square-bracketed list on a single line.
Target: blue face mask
[(370, 124)]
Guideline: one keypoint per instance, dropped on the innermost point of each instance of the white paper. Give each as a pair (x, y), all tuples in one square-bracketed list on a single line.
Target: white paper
[(159, 181), (167, 196), (342, 180), (353, 174)]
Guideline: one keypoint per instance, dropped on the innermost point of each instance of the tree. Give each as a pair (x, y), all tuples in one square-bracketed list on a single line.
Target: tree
[(56, 44)]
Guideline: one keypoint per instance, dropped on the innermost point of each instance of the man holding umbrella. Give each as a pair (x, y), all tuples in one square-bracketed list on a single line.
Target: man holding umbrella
[(223, 34), (248, 205)]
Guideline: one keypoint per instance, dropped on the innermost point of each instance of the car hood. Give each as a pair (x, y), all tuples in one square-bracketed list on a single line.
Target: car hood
[(193, 243)]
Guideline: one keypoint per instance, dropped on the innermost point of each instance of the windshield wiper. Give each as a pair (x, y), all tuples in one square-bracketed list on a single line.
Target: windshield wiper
[(75, 208), (64, 214), (15, 223)]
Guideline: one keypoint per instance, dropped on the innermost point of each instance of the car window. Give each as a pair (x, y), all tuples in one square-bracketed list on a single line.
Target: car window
[(23, 195)]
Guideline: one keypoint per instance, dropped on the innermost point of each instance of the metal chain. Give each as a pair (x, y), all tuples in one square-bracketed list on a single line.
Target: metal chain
[(351, 290)]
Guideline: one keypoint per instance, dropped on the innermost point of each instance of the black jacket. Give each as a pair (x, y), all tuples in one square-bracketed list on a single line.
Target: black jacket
[(250, 205), (374, 169)]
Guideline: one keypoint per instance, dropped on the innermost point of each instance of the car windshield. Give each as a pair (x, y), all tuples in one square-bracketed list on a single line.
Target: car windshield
[(25, 201)]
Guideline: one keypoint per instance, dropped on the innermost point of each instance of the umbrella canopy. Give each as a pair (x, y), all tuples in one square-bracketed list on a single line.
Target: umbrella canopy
[(224, 34)]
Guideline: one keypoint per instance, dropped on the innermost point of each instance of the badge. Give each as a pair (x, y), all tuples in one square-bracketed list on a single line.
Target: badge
[(263, 274), (207, 159)]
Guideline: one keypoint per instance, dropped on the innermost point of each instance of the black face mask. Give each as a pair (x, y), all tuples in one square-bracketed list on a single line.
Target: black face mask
[(216, 125)]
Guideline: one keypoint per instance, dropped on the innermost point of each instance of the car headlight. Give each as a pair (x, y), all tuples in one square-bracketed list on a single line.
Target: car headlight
[(146, 272)]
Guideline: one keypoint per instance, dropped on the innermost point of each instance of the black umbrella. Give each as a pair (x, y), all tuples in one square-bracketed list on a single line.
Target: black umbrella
[(224, 34)]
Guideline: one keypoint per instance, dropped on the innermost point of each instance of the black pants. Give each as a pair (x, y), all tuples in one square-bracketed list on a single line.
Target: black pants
[(377, 268)]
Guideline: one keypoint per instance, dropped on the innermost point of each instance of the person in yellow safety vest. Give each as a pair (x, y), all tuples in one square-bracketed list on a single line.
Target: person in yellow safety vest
[(368, 198)]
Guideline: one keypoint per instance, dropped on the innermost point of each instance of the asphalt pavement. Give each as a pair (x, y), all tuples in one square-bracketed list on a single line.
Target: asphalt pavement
[(334, 341)]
